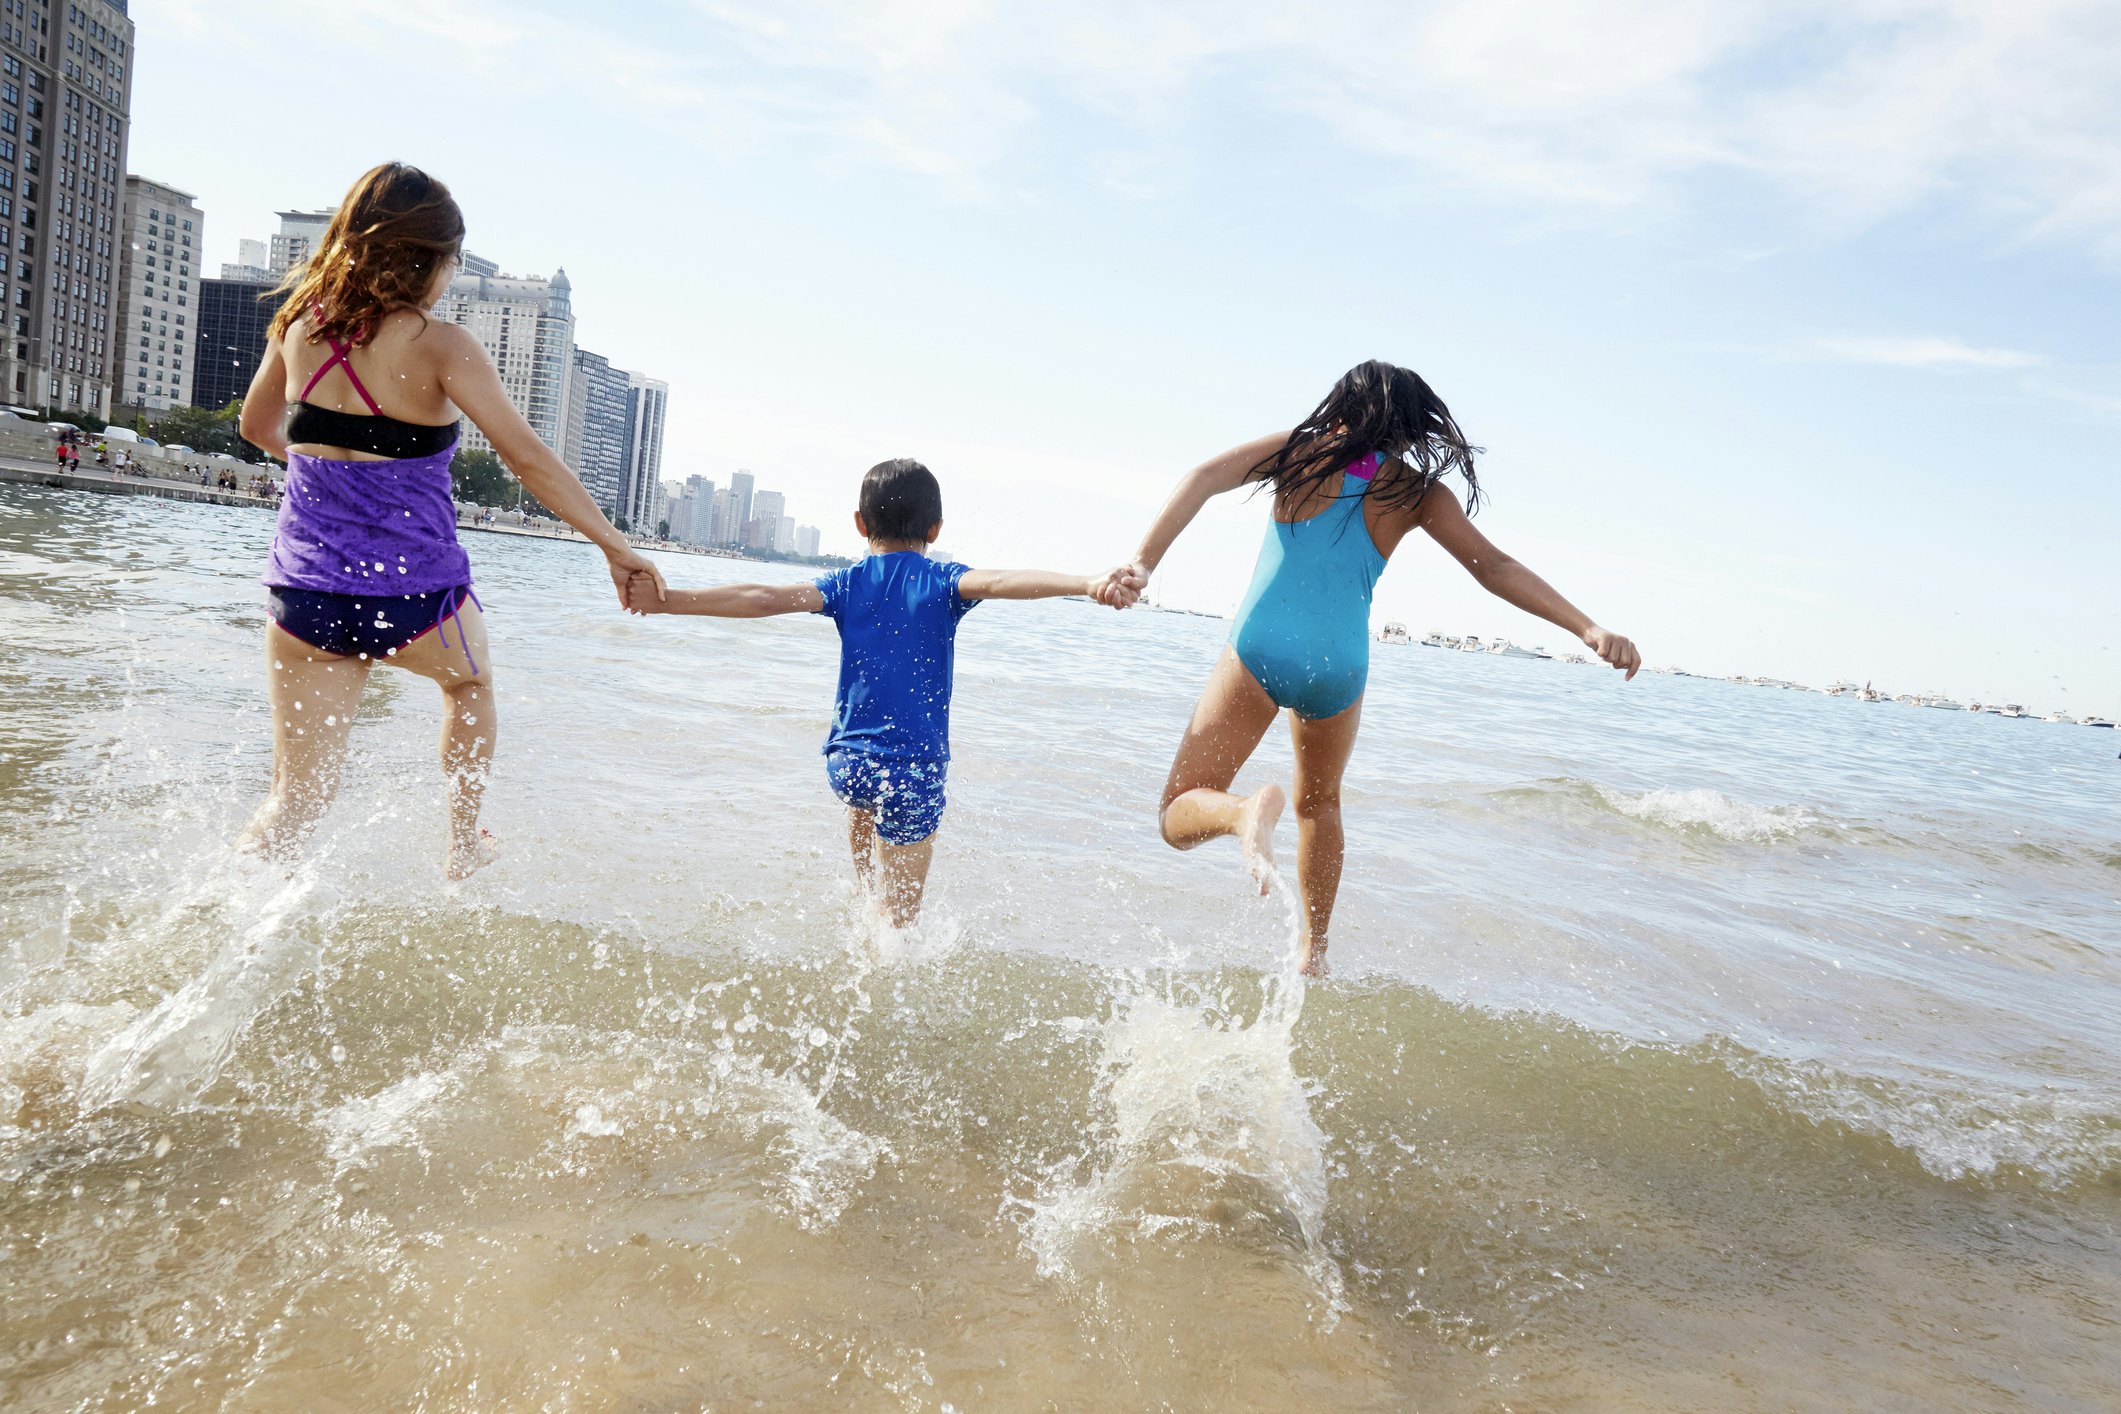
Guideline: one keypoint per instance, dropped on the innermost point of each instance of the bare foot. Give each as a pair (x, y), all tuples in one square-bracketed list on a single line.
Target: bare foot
[(1255, 832), (1314, 964), (465, 861)]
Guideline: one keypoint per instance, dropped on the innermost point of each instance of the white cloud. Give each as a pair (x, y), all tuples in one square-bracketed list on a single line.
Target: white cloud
[(1840, 112), (1929, 352)]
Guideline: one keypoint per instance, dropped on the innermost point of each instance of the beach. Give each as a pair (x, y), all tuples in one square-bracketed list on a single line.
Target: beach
[(1690, 1046)]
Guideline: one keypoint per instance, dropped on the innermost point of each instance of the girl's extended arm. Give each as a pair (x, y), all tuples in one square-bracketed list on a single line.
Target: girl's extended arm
[(1507, 579), (1021, 584), (732, 601), (1205, 482), (467, 376)]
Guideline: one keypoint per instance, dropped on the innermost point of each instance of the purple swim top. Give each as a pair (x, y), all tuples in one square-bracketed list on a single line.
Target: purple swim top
[(367, 527)]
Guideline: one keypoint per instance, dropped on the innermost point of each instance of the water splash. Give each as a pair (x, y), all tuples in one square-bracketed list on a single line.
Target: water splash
[(1210, 1129)]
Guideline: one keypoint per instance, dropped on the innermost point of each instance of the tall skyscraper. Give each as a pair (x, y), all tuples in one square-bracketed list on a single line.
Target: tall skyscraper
[(64, 121), (766, 520), (229, 339), (739, 507), (784, 534), (599, 429), (297, 238), (648, 399), (806, 540), (724, 501), (163, 233), (527, 326), (700, 491)]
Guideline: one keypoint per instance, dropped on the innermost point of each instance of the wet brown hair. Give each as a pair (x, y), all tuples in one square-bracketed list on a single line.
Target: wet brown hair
[(380, 253), (1376, 407)]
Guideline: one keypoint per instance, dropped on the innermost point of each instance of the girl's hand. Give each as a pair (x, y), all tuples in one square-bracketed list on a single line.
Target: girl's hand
[(1119, 588), (1620, 652), (626, 562)]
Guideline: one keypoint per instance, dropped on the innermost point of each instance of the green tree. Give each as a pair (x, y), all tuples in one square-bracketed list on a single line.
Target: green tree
[(205, 431), (480, 479)]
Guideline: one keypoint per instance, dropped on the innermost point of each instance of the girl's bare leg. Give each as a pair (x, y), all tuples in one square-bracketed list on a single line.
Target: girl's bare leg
[(1233, 714), (1322, 750), (470, 722), (314, 695)]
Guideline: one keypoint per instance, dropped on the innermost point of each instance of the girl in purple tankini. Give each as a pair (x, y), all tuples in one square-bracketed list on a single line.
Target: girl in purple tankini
[(359, 394)]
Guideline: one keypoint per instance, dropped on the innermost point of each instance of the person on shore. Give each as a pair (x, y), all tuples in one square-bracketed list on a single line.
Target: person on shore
[(365, 566), (888, 752), (1353, 479)]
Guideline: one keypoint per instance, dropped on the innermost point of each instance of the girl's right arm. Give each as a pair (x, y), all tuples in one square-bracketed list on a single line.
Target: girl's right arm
[(1199, 486), (728, 601), (265, 405)]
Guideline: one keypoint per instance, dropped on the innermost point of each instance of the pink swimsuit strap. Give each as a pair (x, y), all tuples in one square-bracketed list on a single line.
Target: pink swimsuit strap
[(341, 358)]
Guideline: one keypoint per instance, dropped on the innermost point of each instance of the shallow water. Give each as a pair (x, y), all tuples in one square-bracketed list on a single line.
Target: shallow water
[(1691, 1047)]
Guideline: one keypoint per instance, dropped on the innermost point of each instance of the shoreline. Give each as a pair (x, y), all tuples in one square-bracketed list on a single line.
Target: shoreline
[(21, 471)]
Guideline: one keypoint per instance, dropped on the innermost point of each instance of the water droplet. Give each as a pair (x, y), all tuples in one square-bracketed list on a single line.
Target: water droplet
[(818, 1036)]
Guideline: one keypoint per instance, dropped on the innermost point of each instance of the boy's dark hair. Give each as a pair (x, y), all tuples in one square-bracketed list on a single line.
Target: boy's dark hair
[(901, 500)]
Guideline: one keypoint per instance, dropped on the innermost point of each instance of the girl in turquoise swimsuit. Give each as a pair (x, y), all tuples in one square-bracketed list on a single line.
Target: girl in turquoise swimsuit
[(1365, 468)]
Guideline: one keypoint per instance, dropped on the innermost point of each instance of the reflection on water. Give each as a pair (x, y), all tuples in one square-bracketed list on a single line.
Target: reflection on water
[(1693, 1048)]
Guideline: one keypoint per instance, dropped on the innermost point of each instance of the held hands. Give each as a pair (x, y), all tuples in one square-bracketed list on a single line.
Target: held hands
[(1119, 588), (643, 594), (1620, 652), (628, 568)]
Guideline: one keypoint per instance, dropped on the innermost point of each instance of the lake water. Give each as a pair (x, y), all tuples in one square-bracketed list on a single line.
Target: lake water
[(1691, 1046)]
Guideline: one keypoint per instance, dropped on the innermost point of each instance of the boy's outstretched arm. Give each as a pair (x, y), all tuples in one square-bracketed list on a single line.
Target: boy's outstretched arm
[(1042, 586), (729, 601), (1514, 582)]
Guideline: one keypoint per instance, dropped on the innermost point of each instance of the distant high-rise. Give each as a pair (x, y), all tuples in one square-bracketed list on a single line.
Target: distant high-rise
[(784, 535), (806, 540), (527, 326), (229, 342), (647, 401), (766, 508), (64, 121), (250, 263), (297, 238), (701, 493), (599, 424), (739, 507), (162, 235)]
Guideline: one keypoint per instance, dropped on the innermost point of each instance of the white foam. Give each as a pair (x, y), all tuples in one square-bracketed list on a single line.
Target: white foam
[(1207, 1107), (390, 1118), (1713, 811)]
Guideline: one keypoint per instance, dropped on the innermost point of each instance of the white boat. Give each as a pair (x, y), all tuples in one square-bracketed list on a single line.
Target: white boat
[(1577, 658), (1471, 644), (1908, 699), (1393, 633), (1942, 704), (2095, 722), (1436, 639), (2063, 717), (1975, 707), (2013, 711), (1842, 689), (1503, 648)]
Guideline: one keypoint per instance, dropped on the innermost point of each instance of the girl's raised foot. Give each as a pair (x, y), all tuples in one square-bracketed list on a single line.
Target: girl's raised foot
[(466, 860), (1255, 832)]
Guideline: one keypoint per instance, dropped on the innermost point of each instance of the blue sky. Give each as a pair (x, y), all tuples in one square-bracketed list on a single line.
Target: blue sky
[(1789, 327)]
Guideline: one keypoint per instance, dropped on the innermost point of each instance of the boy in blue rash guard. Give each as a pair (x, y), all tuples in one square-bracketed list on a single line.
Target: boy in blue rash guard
[(888, 752)]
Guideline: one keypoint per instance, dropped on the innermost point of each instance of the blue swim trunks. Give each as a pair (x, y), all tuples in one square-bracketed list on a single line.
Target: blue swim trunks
[(905, 793)]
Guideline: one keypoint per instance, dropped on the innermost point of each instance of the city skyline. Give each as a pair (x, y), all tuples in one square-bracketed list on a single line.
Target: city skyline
[(1786, 369)]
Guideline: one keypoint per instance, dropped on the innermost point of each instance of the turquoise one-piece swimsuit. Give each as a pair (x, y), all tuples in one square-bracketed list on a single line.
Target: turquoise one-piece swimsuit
[(1304, 628)]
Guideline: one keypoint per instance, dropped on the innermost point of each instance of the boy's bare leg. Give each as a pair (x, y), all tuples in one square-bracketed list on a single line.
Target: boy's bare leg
[(904, 871), (861, 838), (1233, 714), (1322, 751)]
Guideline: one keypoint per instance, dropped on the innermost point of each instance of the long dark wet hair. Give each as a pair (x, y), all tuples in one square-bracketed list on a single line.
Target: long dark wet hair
[(1376, 407)]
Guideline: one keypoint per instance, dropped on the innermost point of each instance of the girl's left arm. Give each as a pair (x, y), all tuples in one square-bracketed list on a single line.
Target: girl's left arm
[(1513, 582)]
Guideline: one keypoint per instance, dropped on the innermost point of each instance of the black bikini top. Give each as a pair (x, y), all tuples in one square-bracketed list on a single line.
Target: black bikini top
[(381, 435)]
